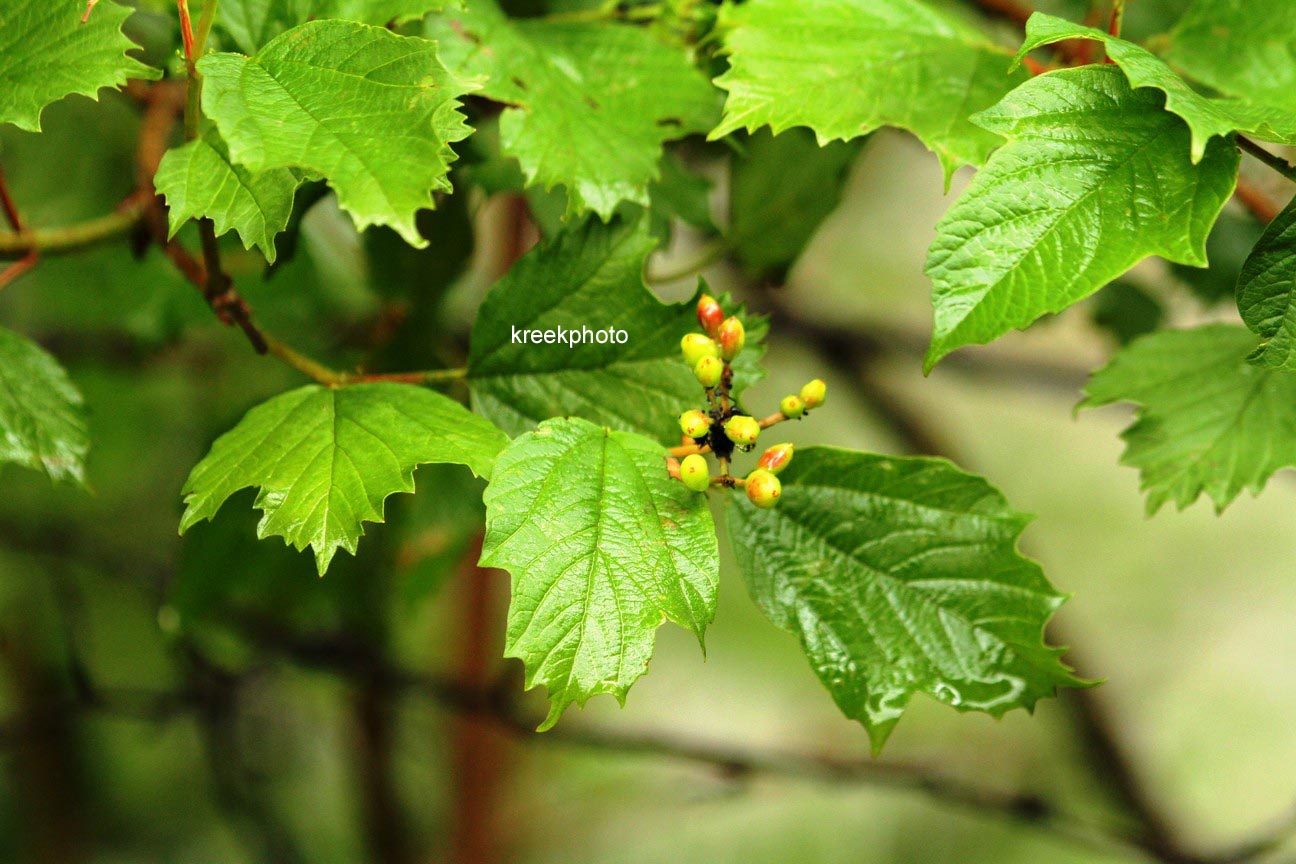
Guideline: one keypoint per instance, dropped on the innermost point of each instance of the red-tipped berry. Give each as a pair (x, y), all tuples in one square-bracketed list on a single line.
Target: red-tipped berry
[(763, 488), (731, 337), (776, 458), (709, 314), (694, 472), (696, 346), (742, 430), (813, 393), (709, 370), (792, 407), (694, 423)]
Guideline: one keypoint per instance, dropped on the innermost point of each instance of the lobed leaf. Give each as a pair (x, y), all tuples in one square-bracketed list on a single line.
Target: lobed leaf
[(253, 23), (42, 422), (781, 190), (901, 576), (603, 547), (1266, 293), (1245, 48), (1208, 421), (847, 67), (326, 459), (1094, 178), (590, 277), (46, 54), (372, 112), (199, 181), (1206, 117), (588, 104)]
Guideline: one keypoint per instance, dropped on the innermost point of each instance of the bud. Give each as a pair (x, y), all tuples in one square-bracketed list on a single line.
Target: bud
[(742, 430), (709, 314), (696, 346), (731, 337), (792, 407), (813, 393), (776, 458), (694, 472), (763, 488), (709, 371), (694, 423)]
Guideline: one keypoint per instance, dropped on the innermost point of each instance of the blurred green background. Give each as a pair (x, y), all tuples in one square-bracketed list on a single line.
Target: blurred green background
[(209, 699)]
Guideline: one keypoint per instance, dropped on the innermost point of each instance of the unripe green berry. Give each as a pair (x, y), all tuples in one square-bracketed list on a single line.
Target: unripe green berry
[(731, 337), (792, 407), (709, 371), (709, 314), (694, 423), (742, 430), (776, 458), (694, 472), (696, 346), (763, 488), (813, 393)]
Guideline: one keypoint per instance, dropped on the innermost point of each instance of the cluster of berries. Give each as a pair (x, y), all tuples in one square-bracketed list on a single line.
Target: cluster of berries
[(724, 427)]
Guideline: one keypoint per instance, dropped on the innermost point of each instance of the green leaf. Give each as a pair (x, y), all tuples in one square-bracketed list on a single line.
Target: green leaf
[(253, 23), (46, 53), (1206, 118), (590, 277), (372, 112), (326, 459), (1245, 49), (901, 576), (42, 423), (1126, 311), (1095, 177), (589, 104), (1231, 240), (847, 67), (198, 180), (1208, 420), (680, 193), (781, 190), (603, 547), (1266, 293)]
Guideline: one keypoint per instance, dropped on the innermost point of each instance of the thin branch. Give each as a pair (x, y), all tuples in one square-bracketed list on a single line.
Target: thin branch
[(17, 268), (709, 254), (10, 208), (186, 31), (8, 205), (1117, 19), (72, 238), (1272, 160), (773, 419), (162, 104)]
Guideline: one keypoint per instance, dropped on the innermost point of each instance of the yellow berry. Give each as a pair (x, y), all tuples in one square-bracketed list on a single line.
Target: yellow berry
[(763, 488), (694, 423), (812, 394), (776, 458), (709, 370), (792, 407), (694, 472), (742, 430), (696, 346), (731, 337)]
